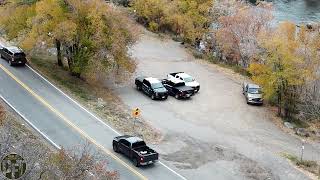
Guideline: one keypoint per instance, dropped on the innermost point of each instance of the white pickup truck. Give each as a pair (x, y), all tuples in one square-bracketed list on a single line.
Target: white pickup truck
[(186, 78)]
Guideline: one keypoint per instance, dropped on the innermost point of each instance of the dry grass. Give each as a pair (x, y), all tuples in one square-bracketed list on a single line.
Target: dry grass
[(305, 165), (2, 115)]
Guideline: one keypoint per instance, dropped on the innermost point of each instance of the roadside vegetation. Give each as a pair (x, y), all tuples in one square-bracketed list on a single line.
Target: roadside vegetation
[(45, 162), (186, 20), (310, 166)]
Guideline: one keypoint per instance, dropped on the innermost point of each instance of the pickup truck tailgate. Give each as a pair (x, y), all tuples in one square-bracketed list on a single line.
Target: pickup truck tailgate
[(150, 157)]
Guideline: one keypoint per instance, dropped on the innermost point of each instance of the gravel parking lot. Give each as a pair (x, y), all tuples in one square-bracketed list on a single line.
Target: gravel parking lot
[(215, 134)]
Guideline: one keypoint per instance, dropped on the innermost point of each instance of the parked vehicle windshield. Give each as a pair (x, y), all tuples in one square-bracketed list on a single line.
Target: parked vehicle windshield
[(254, 91), (157, 85), (188, 79)]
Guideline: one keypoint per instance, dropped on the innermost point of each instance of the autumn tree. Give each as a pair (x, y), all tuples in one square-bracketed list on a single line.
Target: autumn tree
[(309, 106), (89, 34), (281, 70), (44, 23), (15, 20), (187, 19), (238, 31), (51, 24)]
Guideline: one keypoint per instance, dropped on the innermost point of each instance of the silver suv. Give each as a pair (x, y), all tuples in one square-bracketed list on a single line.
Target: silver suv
[(252, 93)]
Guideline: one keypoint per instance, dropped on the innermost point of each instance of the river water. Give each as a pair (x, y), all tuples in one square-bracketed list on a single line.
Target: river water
[(298, 11)]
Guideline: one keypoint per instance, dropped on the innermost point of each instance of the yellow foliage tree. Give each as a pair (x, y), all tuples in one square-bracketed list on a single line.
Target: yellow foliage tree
[(188, 19), (17, 21), (281, 71), (87, 33)]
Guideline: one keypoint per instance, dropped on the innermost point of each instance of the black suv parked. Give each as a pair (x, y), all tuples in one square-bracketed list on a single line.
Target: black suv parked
[(13, 55)]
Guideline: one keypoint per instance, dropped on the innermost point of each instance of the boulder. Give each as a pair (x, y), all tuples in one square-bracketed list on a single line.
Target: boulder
[(302, 132), (288, 125)]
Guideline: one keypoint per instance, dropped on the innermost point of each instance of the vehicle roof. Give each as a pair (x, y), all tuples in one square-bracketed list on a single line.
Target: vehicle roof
[(153, 80), (14, 49), (184, 75), (253, 86)]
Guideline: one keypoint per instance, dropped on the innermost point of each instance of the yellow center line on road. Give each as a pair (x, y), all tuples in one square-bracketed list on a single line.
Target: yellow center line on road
[(66, 120)]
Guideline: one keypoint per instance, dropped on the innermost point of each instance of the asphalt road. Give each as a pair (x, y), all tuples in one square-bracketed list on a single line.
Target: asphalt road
[(215, 134), (65, 123)]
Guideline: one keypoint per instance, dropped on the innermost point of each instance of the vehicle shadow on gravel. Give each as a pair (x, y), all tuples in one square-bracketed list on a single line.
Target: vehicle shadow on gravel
[(162, 100)]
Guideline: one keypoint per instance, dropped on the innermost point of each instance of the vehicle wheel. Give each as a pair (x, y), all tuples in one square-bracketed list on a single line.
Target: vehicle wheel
[(10, 63), (135, 162), (176, 96), (139, 88), (152, 97), (115, 148)]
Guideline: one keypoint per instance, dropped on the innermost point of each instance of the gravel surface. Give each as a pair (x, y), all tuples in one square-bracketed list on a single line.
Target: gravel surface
[(215, 134)]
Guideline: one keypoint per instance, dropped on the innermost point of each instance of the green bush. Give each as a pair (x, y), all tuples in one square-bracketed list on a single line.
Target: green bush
[(153, 26)]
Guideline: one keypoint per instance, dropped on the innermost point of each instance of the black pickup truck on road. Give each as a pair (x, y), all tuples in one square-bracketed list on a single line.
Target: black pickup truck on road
[(135, 149), (152, 87), (178, 88)]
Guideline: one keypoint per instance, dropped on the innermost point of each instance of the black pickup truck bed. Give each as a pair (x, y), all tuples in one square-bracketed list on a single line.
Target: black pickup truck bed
[(178, 89), (135, 149)]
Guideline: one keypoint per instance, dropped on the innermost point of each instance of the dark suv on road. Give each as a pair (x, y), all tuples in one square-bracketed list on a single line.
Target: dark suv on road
[(13, 55)]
